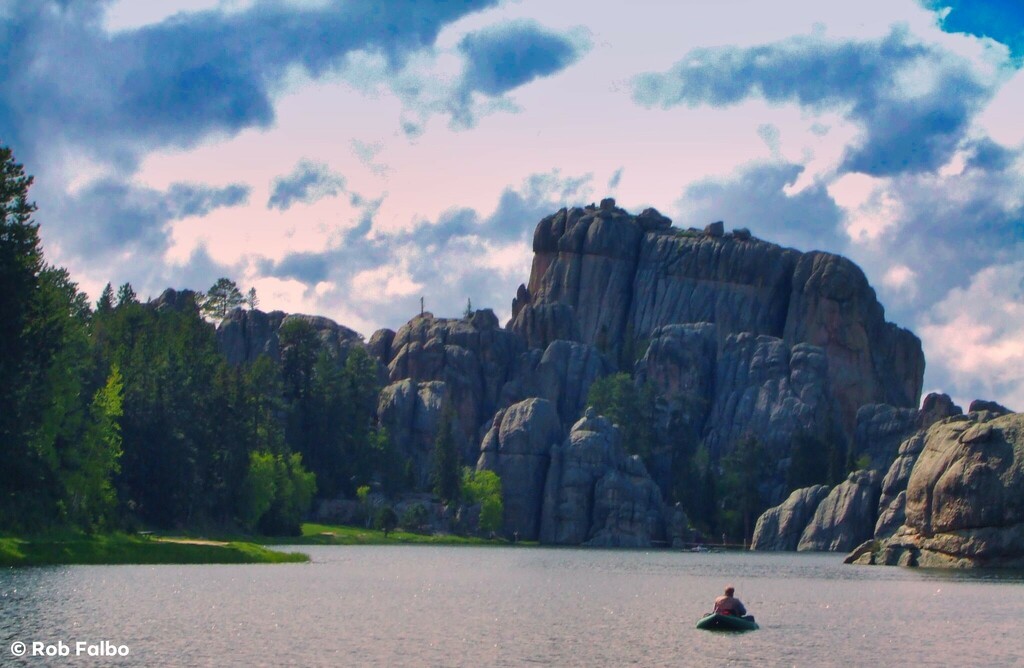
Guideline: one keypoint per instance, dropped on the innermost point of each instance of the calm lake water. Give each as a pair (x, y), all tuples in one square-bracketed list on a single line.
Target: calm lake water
[(466, 606)]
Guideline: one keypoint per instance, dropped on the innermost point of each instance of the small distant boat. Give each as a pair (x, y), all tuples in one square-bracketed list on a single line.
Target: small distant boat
[(716, 622)]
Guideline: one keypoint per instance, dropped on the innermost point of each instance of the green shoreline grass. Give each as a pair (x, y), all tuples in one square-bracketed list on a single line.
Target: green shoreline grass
[(330, 534), (117, 548), (62, 548)]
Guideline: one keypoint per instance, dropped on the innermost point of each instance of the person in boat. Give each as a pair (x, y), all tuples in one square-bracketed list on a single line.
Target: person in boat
[(729, 604)]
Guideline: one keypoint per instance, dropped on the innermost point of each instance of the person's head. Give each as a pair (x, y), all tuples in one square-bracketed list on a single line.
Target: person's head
[(729, 591)]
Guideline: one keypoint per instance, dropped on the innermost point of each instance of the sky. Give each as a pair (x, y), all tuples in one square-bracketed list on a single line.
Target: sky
[(347, 158)]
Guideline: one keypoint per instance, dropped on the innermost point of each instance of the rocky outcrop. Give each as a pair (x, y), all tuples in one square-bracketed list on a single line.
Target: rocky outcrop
[(964, 499), (472, 356), (245, 335), (780, 528), (892, 501), (679, 365), (411, 412), (604, 277), (766, 389), (846, 517), (870, 360), (562, 374), (596, 494), (518, 448), (880, 430)]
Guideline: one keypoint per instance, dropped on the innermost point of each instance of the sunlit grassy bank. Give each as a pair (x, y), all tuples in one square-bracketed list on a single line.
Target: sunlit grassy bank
[(76, 548)]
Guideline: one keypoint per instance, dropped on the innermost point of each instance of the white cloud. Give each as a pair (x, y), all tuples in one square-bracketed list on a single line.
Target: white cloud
[(975, 336)]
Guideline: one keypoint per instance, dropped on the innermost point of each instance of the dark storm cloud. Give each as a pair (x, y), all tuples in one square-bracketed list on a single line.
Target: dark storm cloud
[(175, 82)]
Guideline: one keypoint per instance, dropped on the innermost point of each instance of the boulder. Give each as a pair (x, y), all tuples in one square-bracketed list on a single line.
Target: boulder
[(518, 448), (380, 345), (965, 496), (846, 517), (596, 494), (780, 528), (715, 229), (979, 405)]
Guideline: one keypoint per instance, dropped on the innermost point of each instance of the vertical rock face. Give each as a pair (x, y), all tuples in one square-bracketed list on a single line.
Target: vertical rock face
[(880, 430), (562, 374), (846, 517), (870, 360), (245, 335), (606, 277), (892, 502), (596, 494), (518, 448), (679, 364), (780, 528), (767, 389), (740, 286), (472, 356), (411, 412)]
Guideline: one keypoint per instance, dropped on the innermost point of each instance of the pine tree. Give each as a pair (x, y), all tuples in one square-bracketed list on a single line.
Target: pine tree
[(251, 300), (445, 471), (126, 295), (222, 298), (106, 301)]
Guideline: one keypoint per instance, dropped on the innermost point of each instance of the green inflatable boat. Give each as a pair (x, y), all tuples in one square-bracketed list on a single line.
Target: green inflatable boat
[(715, 622)]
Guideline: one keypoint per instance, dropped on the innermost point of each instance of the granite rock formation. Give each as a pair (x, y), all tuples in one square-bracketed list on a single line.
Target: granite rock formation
[(780, 528), (846, 517), (964, 499), (606, 278), (473, 357), (518, 448), (595, 494)]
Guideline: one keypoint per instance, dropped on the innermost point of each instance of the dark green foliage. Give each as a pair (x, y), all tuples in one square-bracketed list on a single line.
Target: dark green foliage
[(809, 462), (742, 473), (415, 518), (631, 408), (131, 416), (126, 295), (105, 304), (385, 520), (445, 475)]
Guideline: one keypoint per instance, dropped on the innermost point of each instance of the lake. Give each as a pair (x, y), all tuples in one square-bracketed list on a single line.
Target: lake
[(470, 606)]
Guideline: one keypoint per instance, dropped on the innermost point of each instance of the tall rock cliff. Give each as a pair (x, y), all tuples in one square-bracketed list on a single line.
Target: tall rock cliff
[(610, 279)]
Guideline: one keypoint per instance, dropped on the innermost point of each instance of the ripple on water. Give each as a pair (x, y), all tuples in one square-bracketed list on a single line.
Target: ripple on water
[(444, 606)]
